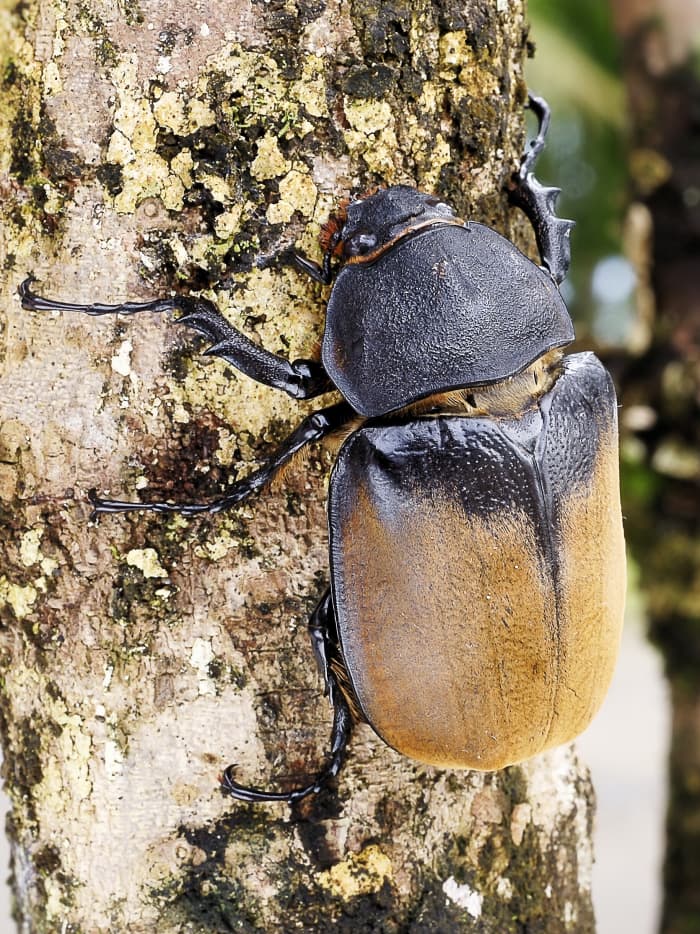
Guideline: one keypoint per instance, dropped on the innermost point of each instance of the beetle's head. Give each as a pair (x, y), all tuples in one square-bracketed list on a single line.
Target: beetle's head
[(363, 229), (374, 223)]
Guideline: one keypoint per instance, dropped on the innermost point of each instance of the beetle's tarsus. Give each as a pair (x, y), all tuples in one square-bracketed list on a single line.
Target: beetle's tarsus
[(33, 302), (541, 109), (23, 289), (102, 506), (242, 489), (342, 729), (539, 201)]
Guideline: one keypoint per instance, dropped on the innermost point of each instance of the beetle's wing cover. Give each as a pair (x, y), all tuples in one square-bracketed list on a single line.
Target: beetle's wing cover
[(451, 306), (478, 574)]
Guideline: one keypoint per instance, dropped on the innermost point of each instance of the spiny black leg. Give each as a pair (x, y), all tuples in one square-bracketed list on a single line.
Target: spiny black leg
[(539, 201), (322, 628), (301, 379), (325, 643), (323, 635), (313, 428), (318, 273), (323, 273)]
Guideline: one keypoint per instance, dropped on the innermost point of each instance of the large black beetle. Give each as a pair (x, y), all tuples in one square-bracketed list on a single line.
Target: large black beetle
[(476, 547)]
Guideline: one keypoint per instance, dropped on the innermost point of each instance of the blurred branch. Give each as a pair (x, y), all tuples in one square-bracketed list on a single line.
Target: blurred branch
[(583, 84), (660, 384)]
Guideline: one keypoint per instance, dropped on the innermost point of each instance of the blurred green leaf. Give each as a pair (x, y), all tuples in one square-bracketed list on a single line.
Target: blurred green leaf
[(575, 69)]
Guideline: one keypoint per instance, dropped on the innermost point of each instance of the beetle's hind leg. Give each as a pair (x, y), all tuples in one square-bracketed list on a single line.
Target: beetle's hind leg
[(538, 201), (324, 639)]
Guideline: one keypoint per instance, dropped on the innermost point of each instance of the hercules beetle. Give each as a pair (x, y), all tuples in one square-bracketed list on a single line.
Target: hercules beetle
[(476, 547)]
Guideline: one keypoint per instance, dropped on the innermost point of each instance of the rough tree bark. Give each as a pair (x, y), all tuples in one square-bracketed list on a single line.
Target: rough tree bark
[(158, 146), (661, 394)]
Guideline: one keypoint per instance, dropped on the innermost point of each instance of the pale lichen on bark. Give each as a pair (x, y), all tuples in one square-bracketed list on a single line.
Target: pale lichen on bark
[(149, 148)]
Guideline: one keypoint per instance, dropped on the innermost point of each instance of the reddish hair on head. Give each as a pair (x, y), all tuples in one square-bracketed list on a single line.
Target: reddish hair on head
[(336, 221)]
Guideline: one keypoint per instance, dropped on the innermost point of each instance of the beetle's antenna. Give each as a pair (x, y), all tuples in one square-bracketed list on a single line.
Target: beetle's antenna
[(328, 255), (342, 728)]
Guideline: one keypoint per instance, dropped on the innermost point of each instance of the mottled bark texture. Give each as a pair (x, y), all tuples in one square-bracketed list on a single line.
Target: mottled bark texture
[(159, 146), (661, 394)]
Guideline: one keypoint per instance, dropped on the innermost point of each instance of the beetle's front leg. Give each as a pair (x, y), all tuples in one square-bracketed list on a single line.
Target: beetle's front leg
[(301, 379), (538, 201), (314, 427)]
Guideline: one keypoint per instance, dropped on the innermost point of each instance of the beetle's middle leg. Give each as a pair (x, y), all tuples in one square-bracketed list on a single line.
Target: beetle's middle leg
[(324, 639), (314, 427)]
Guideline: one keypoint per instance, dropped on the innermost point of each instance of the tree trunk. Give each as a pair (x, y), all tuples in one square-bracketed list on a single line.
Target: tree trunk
[(661, 394), (148, 148)]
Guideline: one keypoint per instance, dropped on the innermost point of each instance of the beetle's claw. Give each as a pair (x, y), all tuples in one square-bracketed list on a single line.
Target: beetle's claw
[(29, 300), (95, 502), (24, 291)]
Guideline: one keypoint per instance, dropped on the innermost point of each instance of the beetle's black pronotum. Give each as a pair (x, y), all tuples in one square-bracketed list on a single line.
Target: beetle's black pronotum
[(476, 549)]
